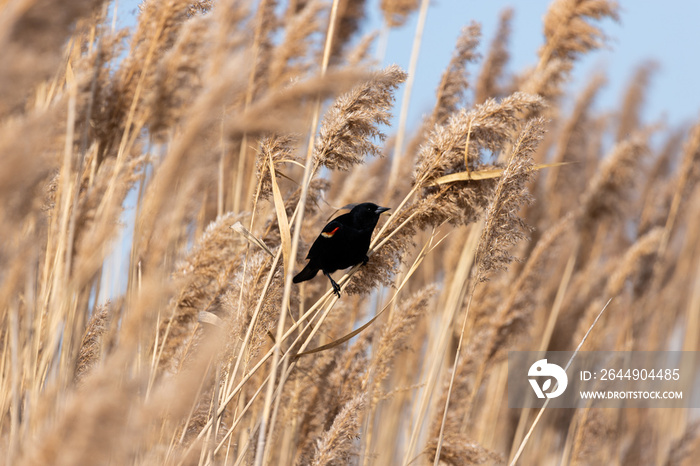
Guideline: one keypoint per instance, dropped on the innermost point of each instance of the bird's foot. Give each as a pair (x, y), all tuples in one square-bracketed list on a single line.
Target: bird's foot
[(336, 287)]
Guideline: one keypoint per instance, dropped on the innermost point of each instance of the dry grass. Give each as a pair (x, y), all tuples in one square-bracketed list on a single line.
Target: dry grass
[(215, 114)]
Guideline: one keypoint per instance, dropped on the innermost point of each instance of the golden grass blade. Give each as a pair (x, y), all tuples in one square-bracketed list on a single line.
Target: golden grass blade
[(282, 220), (210, 318), (342, 339), (239, 228), (298, 164), (486, 174)]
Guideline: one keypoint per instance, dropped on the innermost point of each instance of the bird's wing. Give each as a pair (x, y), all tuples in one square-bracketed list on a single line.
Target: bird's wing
[(331, 229), (328, 232)]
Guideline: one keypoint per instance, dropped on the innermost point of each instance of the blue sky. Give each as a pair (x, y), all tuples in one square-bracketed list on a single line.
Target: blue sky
[(666, 32), (663, 31)]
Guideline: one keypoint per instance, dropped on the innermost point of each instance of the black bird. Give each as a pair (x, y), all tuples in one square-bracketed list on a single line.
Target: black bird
[(342, 243)]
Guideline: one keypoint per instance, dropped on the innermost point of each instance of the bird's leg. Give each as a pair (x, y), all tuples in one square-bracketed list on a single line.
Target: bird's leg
[(365, 260), (336, 287)]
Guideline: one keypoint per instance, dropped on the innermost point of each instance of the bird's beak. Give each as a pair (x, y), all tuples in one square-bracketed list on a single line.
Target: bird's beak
[(381, 210)]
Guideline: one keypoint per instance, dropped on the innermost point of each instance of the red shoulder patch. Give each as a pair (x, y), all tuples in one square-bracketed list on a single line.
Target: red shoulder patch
[(329, 234)]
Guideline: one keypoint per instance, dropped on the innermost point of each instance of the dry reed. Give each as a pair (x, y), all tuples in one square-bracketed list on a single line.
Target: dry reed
[(185, 147)]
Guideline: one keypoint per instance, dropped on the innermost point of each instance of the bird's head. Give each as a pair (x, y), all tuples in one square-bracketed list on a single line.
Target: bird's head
[(367, 214)]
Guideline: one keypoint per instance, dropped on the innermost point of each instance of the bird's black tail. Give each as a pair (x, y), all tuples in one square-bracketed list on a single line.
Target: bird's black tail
[(307, 273)]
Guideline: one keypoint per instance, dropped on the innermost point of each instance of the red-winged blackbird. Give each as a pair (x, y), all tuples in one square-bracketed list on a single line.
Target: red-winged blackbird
[(342, 243)]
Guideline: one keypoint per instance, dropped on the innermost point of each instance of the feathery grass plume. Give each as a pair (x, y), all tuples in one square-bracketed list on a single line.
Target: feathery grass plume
[(314, 199), (203, 273), (157, 31), (242, 295), (266, 25), (657, 200), (271, 111), (459, 450), (453, 84), (567, 30), (95, 73), (671, 148), (629, 119), (636, 264), (657, 192), (486, 86), (571, 143), (354, 118), (121, 110), (568, 33), (280, 148), (396, 12), (90, 428), (33, 35), (504, 227), (490, 125), (158, 28), (686, 448), (349, 17), (95, 228), (573, 129), (597, 427), (337, 445), (608, 190), (548, 82), (307, 404), (688, 174), (92, 348), (691, 159), (22, 178), (200, 7), (324, 403), (177, 78), (292, 58), (450, 93), (361, 52), (393, 334)]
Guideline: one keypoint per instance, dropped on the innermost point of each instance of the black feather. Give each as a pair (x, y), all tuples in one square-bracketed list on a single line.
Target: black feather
[(343, 242)]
